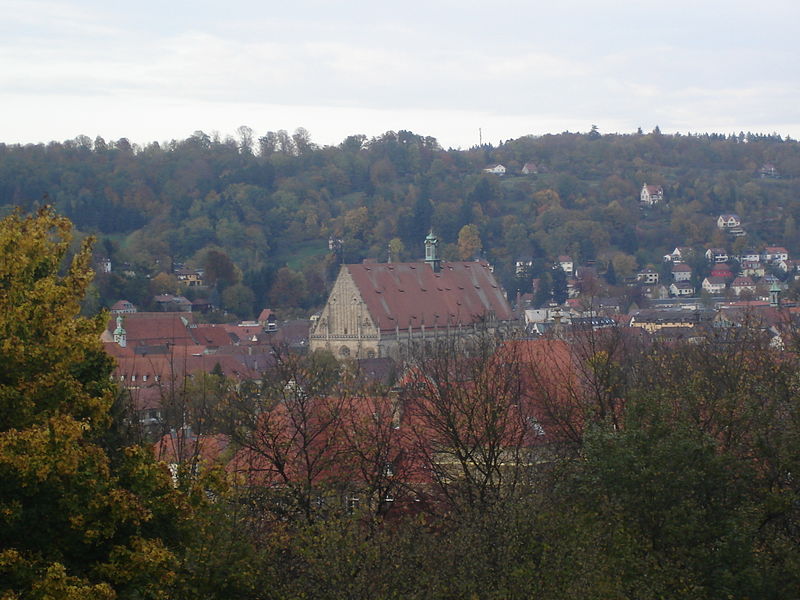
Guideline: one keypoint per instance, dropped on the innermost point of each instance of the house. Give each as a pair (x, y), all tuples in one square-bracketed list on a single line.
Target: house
[(752, 269), (768, 170), (190, 277), (749, 256), (730, 224), (714, 285), (104, 265), (681, 272), (377, 310), (681, 288), (789, 265), (722, 270), (123, 307), (529, 168), (267, 320), (651, 194), (728, 221), (170, 303), (521, 267), (566, 264), (648, 276), (717, 255), (680, 254), (655, 291), (774, 254), (743, 284), (495, 169)]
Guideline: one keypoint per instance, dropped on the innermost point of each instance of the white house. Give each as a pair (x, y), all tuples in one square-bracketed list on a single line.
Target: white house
[(714, 285), (743, 284), (681, 288), (648, 276), (680, 254), (774, 254), (566, 264), (728, 221), (749, 256), (495, 169), (681, 272), (717, 255), (651, 194), (529, 168)]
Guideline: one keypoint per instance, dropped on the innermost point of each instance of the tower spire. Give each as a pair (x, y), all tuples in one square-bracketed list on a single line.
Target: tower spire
[(431, 252)]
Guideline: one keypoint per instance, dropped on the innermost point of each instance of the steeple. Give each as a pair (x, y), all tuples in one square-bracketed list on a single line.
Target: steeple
[(431, 256), (774, 292), (120, 335)]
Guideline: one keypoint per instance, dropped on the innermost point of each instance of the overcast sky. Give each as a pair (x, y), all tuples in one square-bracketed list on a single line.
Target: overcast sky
[(157, 70)]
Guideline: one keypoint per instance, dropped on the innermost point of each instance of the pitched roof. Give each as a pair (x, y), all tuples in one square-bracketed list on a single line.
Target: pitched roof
[(412, 294), (155, 328)]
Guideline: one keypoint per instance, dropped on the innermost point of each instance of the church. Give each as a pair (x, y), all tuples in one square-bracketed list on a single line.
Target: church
[(377, 310)]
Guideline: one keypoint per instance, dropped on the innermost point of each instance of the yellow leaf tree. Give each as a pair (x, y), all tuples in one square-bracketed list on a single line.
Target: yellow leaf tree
[(75, 513)]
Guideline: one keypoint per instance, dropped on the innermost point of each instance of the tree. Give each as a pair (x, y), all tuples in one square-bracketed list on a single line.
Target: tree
[(77, 519), (469, 242), (239, 299), (559, 285)]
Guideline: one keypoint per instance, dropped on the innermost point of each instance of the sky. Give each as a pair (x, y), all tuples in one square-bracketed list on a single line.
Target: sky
[(460, 71)]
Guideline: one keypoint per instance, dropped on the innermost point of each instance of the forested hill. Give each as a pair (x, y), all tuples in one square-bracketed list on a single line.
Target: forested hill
[(273, 204)]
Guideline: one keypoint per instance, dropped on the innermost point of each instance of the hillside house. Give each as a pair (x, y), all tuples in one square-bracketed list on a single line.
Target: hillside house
[(774, 254), (714, 285), (647, 276), (529, 168), (123, 307), (651, 194), (743, 284), (190, 277), (681, 272), (717, 255), (680, 254), (681, 289), (728, 221), (566, 264), (768, 171), (495, 169)]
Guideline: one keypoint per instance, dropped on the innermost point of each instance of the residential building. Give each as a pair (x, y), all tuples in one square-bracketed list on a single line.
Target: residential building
[(651, 194)]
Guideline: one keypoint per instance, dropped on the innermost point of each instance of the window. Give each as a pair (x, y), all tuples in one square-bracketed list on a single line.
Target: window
[(344, 351)]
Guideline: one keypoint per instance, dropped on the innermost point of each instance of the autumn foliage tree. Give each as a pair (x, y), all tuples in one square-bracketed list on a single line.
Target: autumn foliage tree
[(78, 519)]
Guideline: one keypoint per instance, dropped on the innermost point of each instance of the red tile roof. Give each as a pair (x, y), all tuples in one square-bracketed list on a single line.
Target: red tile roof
[(155, 328), (411, 294)]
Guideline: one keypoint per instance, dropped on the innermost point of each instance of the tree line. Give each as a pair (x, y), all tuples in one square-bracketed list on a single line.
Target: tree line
[(286, 211)]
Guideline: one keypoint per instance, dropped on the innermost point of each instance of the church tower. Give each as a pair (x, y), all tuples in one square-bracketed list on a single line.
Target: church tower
[(120, 335), (431, 252)]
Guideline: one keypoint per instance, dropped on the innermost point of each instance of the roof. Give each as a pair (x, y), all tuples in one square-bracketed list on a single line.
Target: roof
[(412, 295), (682, 268), (714, 280), (147, 328), (740, 281)]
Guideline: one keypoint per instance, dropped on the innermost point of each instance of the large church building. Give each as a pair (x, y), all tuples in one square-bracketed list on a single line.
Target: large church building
[(377, 310)]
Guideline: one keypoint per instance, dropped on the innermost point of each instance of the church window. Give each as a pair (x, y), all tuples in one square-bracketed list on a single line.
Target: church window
[(344, 351)]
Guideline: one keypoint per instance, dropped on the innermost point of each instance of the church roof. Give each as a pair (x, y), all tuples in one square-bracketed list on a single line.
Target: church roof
[(412, 294)]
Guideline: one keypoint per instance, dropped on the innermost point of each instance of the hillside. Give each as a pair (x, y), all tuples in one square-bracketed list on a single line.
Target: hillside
[(276, 205)]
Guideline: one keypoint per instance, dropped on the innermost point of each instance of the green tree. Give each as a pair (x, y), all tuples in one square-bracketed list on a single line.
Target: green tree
[(77, 519)]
